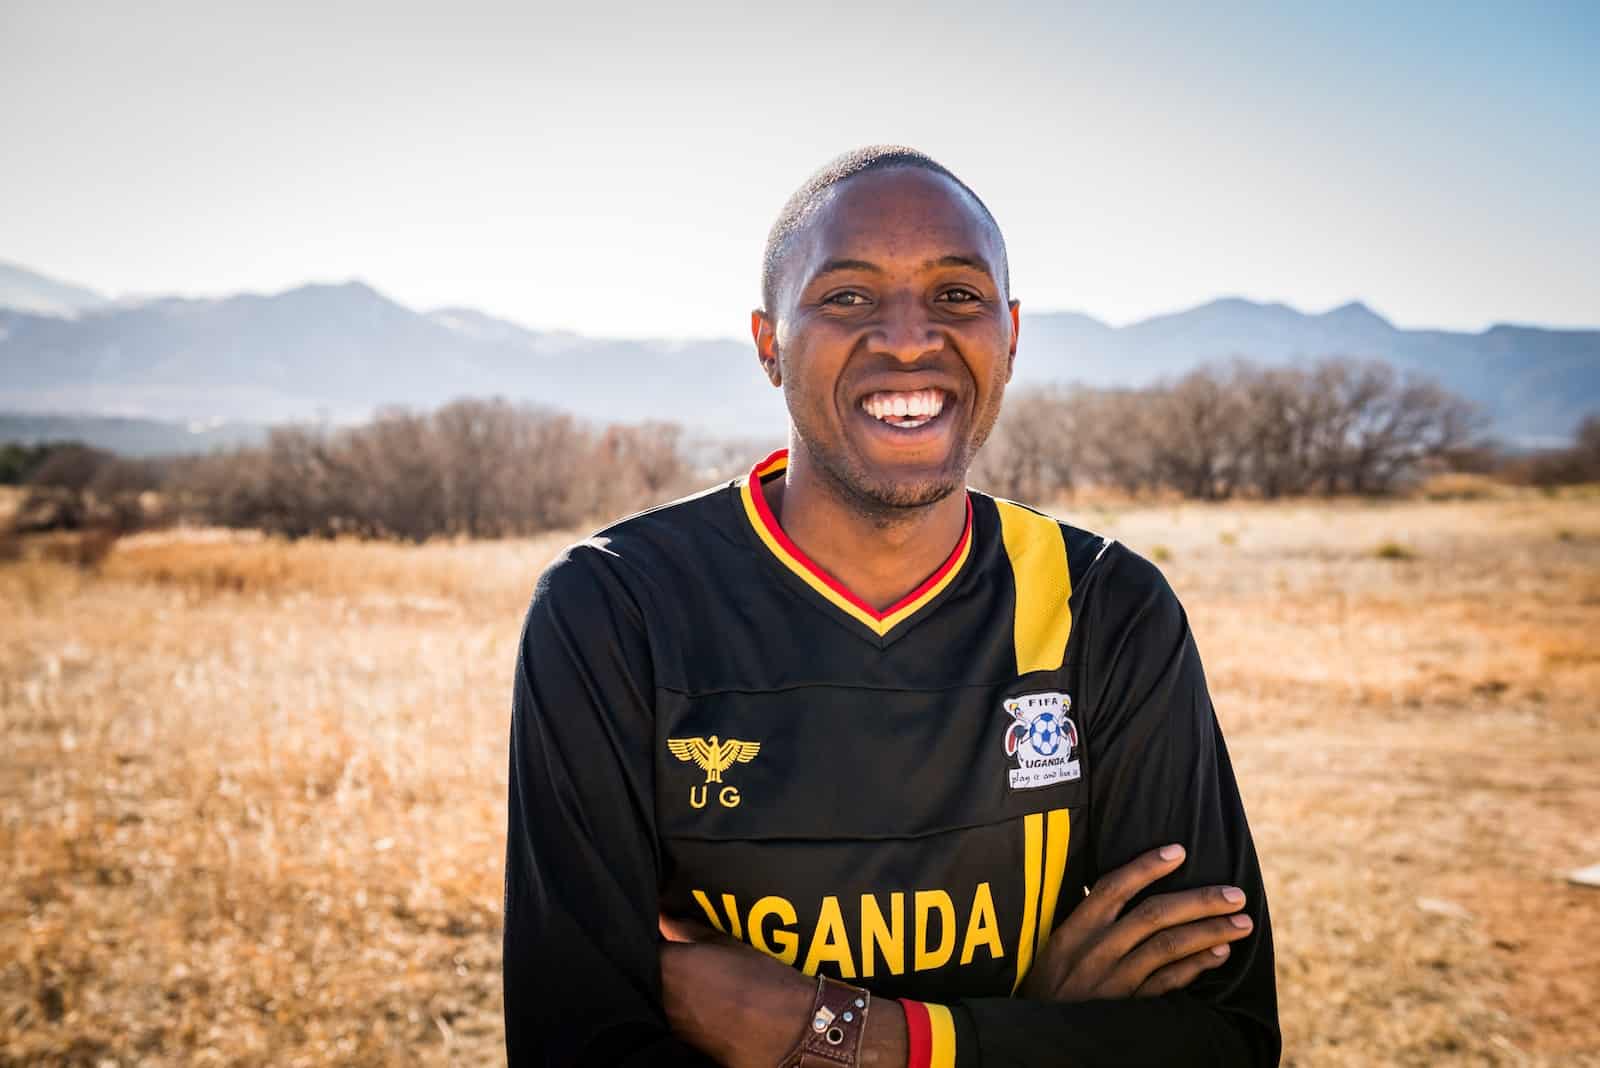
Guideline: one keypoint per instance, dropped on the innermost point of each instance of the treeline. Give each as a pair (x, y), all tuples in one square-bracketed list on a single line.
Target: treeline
[(1339, 426), (72, 486), (473, 468), (1560, 467), (491, 468)]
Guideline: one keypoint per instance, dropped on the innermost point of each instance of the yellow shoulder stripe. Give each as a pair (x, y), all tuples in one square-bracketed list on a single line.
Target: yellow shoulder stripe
[(1038, 556)]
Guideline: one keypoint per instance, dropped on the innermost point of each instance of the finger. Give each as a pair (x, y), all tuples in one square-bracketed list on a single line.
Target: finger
[(1180, 974), (1173, 945), (1162, 911), (1113, 890), (1106, 899)]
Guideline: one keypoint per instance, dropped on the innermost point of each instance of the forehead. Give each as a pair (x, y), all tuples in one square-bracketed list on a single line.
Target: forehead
[(897, 218)]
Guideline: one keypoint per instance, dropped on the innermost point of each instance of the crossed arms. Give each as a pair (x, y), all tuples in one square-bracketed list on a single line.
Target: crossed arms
[(1129, 977)]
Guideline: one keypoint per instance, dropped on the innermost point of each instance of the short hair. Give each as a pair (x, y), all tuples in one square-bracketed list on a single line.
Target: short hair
[(803, 203)]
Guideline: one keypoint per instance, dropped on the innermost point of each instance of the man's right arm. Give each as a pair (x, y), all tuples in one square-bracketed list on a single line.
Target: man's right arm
[(582, 977)]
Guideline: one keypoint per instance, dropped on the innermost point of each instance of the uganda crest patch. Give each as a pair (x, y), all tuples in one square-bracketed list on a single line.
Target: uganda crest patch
[(1041, 740)]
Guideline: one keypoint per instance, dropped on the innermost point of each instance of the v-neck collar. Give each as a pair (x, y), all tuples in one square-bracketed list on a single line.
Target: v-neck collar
[(825, 585)]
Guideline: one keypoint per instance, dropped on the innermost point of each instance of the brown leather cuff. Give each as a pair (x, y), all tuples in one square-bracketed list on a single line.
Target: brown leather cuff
[(832, 1036)]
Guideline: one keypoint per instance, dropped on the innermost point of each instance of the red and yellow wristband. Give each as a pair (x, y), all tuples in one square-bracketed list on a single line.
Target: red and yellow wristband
[(930, 1035)]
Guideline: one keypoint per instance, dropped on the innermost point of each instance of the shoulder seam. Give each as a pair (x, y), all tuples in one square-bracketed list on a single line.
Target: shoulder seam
[(663, 506)]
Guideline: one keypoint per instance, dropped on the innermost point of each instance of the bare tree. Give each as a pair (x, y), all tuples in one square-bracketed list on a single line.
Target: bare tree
[(473, 443), (72, 467), (1199, 431), (1279, 430), (644, 463), (1556, 467), (1588, 437), (1377, 426), (1030, 454)]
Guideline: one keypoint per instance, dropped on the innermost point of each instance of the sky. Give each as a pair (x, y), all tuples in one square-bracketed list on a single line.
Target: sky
[(613, 169)]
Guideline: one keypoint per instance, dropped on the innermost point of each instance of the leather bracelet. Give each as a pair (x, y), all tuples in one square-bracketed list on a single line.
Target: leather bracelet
[(832, 1035)]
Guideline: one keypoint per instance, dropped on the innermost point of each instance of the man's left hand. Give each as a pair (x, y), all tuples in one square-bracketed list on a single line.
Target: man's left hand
[(740, 1006), (745, 1009)]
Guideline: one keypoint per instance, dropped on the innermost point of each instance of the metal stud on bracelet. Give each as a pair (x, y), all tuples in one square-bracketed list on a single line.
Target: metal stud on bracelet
[(838, 1021)]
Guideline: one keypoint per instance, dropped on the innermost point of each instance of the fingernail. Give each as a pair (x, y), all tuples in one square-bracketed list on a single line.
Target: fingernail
[(1239, 921), (1171, 852), (1233, 895), (1219, 951)]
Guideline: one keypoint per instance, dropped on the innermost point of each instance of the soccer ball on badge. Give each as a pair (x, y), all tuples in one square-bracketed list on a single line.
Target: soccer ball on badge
[(1044, 734)]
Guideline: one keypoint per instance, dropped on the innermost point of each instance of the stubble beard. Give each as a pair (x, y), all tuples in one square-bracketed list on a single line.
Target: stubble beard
[(886, 502)]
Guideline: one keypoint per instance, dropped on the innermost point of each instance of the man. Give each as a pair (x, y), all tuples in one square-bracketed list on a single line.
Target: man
[(880, 728)]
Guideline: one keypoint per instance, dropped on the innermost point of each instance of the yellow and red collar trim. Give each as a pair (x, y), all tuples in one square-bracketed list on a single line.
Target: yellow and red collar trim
[(789, 554)]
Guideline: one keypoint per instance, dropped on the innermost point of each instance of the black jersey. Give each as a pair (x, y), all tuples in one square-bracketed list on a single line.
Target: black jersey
[(705, 724)]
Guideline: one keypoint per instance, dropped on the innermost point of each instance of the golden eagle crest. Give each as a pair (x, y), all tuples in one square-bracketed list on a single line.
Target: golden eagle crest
[(712, 756)]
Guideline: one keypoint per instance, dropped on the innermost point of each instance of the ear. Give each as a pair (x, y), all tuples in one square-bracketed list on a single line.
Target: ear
[(761, 329), (1016, 329)]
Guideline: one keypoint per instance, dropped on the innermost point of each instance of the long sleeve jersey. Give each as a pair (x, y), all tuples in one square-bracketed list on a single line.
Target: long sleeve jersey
[(705, 724)]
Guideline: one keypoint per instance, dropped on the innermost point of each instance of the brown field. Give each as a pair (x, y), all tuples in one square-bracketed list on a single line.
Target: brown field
[(251, 793)]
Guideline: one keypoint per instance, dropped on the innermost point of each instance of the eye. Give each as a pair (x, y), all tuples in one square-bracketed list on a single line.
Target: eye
[(959, 295), (846, 299)]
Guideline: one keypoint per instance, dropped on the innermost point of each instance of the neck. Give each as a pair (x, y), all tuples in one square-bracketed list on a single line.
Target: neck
[(880, 555)]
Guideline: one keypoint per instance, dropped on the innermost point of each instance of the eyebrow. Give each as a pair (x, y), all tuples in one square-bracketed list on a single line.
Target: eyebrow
[(960, 261), (864, 265), (847, 265)]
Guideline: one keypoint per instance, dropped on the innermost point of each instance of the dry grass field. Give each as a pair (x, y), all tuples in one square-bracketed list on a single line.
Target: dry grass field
[(251, 793)]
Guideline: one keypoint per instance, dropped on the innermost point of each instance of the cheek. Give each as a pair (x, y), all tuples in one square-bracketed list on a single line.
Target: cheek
[(814, 371), (808, 393), (991, 366)]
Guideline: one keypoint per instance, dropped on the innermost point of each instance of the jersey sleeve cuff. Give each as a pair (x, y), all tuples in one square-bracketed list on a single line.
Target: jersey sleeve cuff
[(938, 1036)]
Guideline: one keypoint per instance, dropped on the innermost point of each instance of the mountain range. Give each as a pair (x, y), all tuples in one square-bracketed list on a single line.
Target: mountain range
[(337, 352)]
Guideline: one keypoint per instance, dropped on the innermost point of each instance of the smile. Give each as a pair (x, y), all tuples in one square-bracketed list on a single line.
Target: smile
[(904, 410)]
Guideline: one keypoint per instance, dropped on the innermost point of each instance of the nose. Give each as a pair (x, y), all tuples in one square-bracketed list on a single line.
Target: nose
[(905, 332)]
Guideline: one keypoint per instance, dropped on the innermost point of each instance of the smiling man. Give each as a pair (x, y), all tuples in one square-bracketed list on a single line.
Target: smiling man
[(897, 766)]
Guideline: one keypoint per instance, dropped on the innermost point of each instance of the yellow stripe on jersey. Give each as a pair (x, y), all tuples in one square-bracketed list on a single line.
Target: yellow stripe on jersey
[(1058, 832), (1045, 838), (1038, 556), (942, 1028), (1032, 848)]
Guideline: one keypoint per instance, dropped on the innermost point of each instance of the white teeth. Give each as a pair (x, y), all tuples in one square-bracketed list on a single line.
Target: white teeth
[(908, 409)]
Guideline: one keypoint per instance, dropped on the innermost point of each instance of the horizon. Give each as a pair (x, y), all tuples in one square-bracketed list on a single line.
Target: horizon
[(537, 166), (132, 298)]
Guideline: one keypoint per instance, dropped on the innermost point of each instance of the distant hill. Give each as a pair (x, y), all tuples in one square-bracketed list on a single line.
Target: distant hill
[(128, 436), (25, 290), (1535, 384), (340, 351), (336, 352)]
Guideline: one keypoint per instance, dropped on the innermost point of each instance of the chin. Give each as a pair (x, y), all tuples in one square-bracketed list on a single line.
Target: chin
[(916, 492), (887, 485)]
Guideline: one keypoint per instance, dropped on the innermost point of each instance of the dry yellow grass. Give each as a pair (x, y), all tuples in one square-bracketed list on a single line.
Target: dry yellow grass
[(251, 797)]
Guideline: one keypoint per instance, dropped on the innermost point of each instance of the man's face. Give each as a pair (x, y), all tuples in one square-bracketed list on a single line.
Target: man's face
[(893, 338)]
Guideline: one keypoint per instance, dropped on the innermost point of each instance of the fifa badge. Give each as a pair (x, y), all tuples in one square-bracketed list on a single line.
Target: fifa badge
[(1041, 740)]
